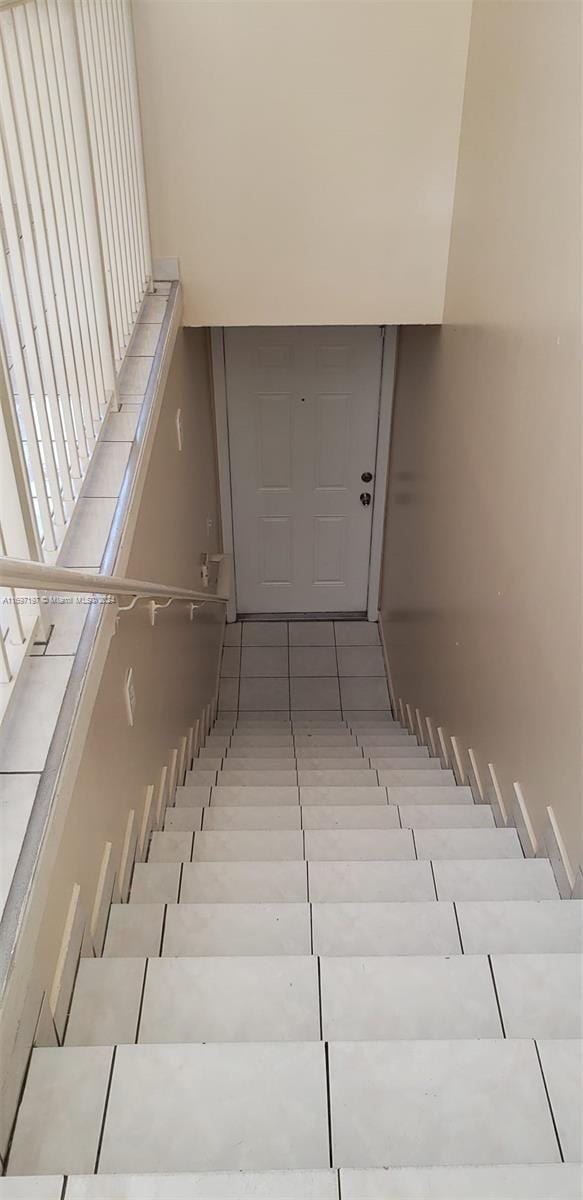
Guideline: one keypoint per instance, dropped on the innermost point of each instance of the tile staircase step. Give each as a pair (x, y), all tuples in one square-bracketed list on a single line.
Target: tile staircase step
[(337, 795), (236, 929), (562, 1066), (230, 763), (264, 816), (244, 882), (403, 777), (175, 846), (420, 927), (354, 845), (241, 1106), (260, 1106), (514, 1182), (208, 1185), (540, 994), (344, 778), (134, 930), (204, 775), (155, 883), (247, 845), (448, 816), (106, 1001), (452, 1102), (255, 795), (182, 817), (382, 999), (498, 879), (324, 763), (540, 1182), (193, 795), (375, 883), (229, 778), (521, 926), (279, 752), (418, 793), (468, 844), (241, 999), (349, 816)]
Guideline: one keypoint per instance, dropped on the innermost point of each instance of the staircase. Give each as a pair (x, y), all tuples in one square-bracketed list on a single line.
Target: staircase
[(336, 979)]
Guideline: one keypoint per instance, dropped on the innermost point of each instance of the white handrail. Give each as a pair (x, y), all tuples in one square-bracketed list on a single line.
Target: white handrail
[(36, 576)]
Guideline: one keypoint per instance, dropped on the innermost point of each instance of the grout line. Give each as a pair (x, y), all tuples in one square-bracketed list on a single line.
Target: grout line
[(163, 931), (401, 826), (107, 1093), (141, 1004), (415, 846), (339, 1184), (318, 967), (329, 1105), (459, 932), (180, 874), (491, 966), (536, 1050), (64, 1188), (435, 887)]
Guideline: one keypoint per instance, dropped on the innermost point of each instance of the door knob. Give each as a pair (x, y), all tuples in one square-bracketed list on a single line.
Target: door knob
[(366, 476), (365, 499)]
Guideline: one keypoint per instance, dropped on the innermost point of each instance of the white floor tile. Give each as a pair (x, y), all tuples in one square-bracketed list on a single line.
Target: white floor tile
[(468, 844), (60, 1116), (364, 692), (29, 725), (406, 760), (361, 660), (521, 926), (183, 819), (380, 882), (500, 879), (31, 1187), (356, 633), (264, 693), (320, 716), (155, 883), (244, 882), (400, 777), (382, 999), (121, 426), (438, 1103), (239, 1107), (231, 662), (314, 748), (88, 533), (335, 795), (314, 692), (207, 763), (264, 661), (255, 796), (229, 778), (106, 1002), (545, 1180), (265, 816), (446, 816), (351, 763), (346, 816), (231, 1000), (264, 751), (170, 847), (105, 475), (193, 795), (313, 660), (134, 375), (17, 793), (255, 739), (233, 634), (210, 1185), (562, 1064), (311, 633), (541, 995), (426, 794), (399, 928), (224, 929), (228, 693), (134, 930), (248, 845), (144, 340), (343, 778), (354, 845), (265, 765), (265, 633)]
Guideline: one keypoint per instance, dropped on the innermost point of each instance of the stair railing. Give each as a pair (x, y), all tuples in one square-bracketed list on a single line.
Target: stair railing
[(36, 576)]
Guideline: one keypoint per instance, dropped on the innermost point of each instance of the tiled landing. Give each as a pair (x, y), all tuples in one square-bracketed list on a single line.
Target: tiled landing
[(294, 666)]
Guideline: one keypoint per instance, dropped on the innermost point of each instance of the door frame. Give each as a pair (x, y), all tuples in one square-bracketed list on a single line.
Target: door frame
[(387, 385)]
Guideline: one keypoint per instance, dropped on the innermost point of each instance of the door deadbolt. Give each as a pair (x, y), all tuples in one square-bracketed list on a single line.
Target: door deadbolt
[(365, 499), (366, 476)]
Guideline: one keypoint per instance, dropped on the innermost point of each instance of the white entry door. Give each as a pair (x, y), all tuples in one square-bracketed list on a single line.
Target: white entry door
[(303, 406)]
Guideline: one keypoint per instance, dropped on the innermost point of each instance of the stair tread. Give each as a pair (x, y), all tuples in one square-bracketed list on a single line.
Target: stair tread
[(259, 1106)]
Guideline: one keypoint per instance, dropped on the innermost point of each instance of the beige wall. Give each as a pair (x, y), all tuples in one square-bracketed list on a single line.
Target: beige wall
[(482, 571), (175, 671), (300, 156)]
